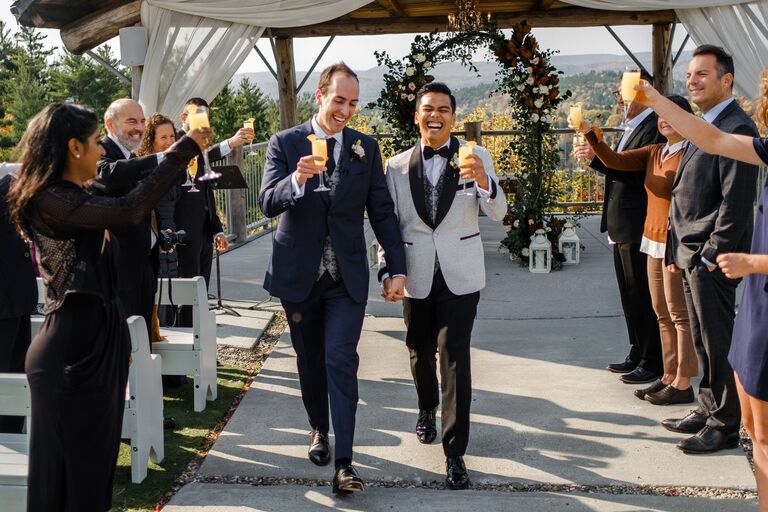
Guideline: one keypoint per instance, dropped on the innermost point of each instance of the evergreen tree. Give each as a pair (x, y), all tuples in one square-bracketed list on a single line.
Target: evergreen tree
[(250, 101)]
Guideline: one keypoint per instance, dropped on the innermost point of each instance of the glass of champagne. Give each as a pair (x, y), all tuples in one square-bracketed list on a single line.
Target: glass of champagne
[(248, 125), (629, 80), (199, 119), (576, 116), (578, 139), (320, 149), (191, 174), (464, 152)]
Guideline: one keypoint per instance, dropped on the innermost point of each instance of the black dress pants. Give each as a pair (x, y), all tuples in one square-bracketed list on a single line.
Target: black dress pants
[(642, 325), (711, 300), (195, 259), (15, 336), (442, 323), (140, 300)]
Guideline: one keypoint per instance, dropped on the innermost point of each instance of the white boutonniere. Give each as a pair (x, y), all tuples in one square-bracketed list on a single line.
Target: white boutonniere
[(455, 161), (357, 150)]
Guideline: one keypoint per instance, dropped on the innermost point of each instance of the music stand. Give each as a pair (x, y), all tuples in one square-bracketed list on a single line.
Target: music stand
[(231, 178)]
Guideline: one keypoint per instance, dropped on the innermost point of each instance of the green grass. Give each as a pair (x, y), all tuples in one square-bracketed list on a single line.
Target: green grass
[(181, 445)]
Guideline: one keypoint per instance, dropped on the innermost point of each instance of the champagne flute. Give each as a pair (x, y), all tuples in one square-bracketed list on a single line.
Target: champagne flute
[(464, 152), (320, 149), (191, 174), (578, 139), (199, 119), (576, 116), (248, 125), (629, 80)]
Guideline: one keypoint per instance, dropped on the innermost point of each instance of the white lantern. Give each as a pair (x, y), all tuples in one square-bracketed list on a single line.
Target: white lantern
[(569, 245), (540, 253)]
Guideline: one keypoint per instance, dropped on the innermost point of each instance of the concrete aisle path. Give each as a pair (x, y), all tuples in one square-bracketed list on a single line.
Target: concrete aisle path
[(544, 411)]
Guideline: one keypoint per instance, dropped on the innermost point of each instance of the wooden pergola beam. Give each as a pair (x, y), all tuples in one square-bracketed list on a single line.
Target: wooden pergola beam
[(393, 7), (99, 27), (567, 17), (544, 5)]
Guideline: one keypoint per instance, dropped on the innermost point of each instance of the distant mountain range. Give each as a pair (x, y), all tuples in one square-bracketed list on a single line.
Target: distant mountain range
[(458, 77)]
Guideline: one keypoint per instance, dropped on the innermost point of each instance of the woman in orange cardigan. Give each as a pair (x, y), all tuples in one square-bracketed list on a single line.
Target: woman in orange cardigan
[(660, 163)]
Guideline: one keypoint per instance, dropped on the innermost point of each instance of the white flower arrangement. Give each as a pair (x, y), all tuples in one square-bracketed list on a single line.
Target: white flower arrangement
[(516, 224), (357, 149), (535, 61), (411, 86), (529, 81), (538, 103), (411, 97), (455, 161), (530, 222), (529, 70), (420, 57), (521, 87), (410, 71), (428, 64), (535, 118), (525, 252)]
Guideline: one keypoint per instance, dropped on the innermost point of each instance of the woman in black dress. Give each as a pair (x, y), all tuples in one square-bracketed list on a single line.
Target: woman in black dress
[(77, 365)]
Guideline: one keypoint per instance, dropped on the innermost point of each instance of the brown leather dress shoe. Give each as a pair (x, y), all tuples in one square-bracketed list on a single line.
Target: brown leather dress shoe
[(692, 423), (708, 440), (654, 387), (671, 395)]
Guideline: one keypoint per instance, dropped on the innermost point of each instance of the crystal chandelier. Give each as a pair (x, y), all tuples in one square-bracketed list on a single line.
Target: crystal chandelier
[(466, 18)]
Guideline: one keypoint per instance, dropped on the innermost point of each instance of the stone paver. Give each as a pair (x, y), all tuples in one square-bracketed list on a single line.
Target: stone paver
[(241, 331)]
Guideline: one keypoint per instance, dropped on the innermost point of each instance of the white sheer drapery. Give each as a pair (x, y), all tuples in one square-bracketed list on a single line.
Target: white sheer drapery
[(652, 5), (196, 46)]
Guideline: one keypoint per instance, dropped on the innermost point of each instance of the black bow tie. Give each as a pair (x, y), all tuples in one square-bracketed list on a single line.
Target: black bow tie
[(429, 152)]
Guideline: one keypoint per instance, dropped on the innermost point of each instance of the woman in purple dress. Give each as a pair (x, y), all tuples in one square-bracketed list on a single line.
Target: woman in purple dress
[(749, 347)]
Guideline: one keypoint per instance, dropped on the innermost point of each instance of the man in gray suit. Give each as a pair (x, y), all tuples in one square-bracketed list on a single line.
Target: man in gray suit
[(711, 214), (437, 205)]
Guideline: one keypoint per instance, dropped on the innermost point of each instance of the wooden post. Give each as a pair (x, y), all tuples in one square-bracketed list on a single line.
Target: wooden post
[(474, 131), (136, 81), (286, 82), (662, 62), (237, 208)]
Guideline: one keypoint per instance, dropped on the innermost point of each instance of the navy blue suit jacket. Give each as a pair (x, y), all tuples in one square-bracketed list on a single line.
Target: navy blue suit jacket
[(305, 222)]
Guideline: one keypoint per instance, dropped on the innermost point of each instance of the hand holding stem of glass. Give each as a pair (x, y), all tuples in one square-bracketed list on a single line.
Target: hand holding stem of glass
[(578, 139), (248, 125), (320, 149), (576, 117), (464, 152)]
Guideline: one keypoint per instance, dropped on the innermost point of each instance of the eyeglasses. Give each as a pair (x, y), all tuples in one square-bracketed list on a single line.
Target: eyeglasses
[(616, 93)]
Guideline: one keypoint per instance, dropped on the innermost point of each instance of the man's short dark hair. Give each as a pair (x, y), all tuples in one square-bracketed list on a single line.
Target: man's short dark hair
[(327, 75), (198, 102), (438, 87), (724, 60), (681, 102)]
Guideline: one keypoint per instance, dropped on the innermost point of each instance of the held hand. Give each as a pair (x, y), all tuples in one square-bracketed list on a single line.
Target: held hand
[(242, 136), (202, 136), (473, 170), (646, 94), (307, 167), (394, 289), (222, 244), (735, 265), (583, 128), (673, 268)]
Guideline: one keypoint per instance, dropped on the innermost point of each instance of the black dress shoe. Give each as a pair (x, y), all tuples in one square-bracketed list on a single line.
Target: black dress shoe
[(319, 449), (671, 395), (624, 367), (692, 423), (426, 431), (346, 480), (456, 476), (708, 440), (656, 386), (639, 376)]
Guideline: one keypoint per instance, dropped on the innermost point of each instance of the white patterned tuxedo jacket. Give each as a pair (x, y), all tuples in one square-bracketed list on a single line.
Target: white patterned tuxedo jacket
[(455, 235)]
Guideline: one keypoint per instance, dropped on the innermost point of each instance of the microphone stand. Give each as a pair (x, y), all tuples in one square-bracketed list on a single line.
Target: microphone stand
[(226, 310)]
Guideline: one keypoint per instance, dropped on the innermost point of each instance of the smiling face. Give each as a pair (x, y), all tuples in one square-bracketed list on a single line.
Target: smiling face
[(127, 125), (706, 88), (165, 136), (338, 103), (434, 117), (83, 158), (668, 132)]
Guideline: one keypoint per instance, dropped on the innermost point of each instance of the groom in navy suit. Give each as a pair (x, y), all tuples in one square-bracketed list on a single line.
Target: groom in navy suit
[(319, 266)]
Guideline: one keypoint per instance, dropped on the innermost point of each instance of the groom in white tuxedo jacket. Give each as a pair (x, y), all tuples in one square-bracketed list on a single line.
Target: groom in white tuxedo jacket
[(437, 204)]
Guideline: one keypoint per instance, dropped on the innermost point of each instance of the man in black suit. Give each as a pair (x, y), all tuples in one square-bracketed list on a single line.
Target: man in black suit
[(195, 212), (119, 172), (624, 209), (18, 299), (711, 214), (319, 266)]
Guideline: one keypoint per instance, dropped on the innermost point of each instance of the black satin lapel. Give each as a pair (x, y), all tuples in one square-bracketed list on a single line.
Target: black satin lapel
[(450, 185), (416, 178)]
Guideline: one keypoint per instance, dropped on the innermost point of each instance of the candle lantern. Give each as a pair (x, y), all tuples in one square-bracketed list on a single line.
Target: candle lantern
[(569, 245), (540, 253)]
